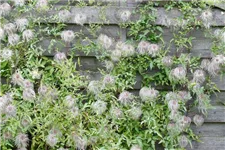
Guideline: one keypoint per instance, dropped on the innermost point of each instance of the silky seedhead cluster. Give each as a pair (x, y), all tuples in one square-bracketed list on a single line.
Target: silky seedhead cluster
[(49, 103)]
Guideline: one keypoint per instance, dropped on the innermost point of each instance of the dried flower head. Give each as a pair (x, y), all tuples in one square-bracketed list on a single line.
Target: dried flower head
[(135, 113), (124, 15), (6, 54), (28, 94), (198, 120), (5, 9), (3, 103), (148, 94), (199, 76), (179, 73), (35, 74), (13, 39), (42, 4), (10, 110), (60, 57), (64, 15), (207, 17), (171, 96), (17, 78), (167, 61), (109, 65), (173, 129), (214, 66), (105, 41), (51, 140), (2, 33), (7, 135), (119, 45), (21, 140), (184, 95), (108, 80), (204, 64), (21, 23), (153, 50), (143, 47), (174, 115), (99, 107), (28, 84), (9, 28), (42, 90), (116, 55), (127, 50), (19, 2), (69, 101), (28, 35), (125, 97), (56, 132), (80, 19), (25, 122), (136, 147), (173, 105), (81, 143), (94, 87), (116, 112), (182, 141), (184, 122), (74, 111), (67, 36)]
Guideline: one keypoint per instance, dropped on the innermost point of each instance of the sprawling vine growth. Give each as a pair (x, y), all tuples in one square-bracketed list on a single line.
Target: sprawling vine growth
[(48, 102)]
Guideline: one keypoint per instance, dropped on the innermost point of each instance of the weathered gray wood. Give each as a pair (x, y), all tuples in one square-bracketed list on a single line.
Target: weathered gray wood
[(209, 143), (110, 13), (210, 130)]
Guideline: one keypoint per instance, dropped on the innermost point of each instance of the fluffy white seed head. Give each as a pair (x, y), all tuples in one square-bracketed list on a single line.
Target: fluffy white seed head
[(35, 74), (184, 95), (10, 110), (125, 97), (60, 57), (173, 105), (174, 115), (67, 36), (171, 96), (153, 50), (27, 84), (81, 143), (13, 39), (29, 94), (108, 80), (127, 50), (42, 4), (119, 45), (184, 122), (25, 122), (6, 54), (64, 15), (148, 94), (199, 76), (143, 47), (21, 140), (99, 107), (42, 90), (182, 141), (94, 87), (179, 73), (167, 61), (19, 2), (56, 132), (116, 55), (80, 19), (2, 33), (207, 18), (116, 112), (136, 147), (204, 64), (17, 78), (21, 23), (198, 120), (109, 65), (124, 15), (135, 113), (105, 41), (3, 103), (28, 35), (69, 101), (5, 9), (51, 140), (74, 111), (9, 28)]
